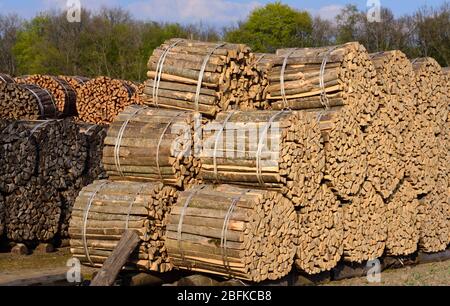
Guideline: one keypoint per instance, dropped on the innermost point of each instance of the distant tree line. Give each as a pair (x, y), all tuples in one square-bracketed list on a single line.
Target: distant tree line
[(112, 43)]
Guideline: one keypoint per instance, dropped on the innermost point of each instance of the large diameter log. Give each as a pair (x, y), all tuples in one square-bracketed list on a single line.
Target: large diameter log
[(26, 102), (243, 233), (365, 227), (402, 220), (105, 210), (151, 144), (275, 150), (322, 233), (349, 79)]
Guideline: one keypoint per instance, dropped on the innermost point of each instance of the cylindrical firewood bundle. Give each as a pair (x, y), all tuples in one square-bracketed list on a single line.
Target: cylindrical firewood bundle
[(202, 76), (275, 150), (321, 233), (101, 99), (64, 94), (365, 227), (5, 78), (26, 102), (95, 139), (105, 210), (384, 136), (402, 221), (258, 90), (233, 232), (324, 77), (151, 144)]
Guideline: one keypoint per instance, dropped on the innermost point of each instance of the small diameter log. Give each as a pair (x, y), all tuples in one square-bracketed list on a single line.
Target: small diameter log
[(102, 99), (322, 233), (151, 144), (105, 210), (365, 227), (279, 151), (224, 71), (26, 102), (5, 78), (402, 220), (64, 94), (233, 232), (349, 79)]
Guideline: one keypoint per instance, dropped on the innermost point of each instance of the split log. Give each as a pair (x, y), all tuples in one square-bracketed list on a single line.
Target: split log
[(151, 144), (26, 102), (384, 137), (279, 151), (105, 210), (64, 94), (349, 79), (365, 227), (5, 78), (101, 99), (233, 232), (223, 71), (402, 221), (322, 233)]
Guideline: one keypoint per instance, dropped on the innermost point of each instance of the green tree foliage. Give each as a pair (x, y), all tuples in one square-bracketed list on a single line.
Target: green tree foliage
[(274, 26)]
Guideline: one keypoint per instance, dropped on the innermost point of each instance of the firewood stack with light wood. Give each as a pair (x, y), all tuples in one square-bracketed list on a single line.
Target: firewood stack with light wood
[(104, 210), (5, 78), (286, 155), (207, 77), (151, 144), (26, 102), (64, 94), (102, 99), (234, 232)]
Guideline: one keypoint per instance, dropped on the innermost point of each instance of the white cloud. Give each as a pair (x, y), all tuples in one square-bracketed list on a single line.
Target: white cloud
[(328, 12)]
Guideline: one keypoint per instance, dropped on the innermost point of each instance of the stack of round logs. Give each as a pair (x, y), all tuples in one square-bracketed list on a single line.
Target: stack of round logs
[(202, 76), (5, 78), (105, 210), (271, 149), (230, 231), (150, 144), (26, 102), (64, 94), (103, 98)]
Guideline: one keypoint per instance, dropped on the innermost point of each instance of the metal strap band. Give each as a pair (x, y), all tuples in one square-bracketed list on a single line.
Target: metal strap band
[(283, 70), (159, 144), (219, 133), (260, 59), (40, 105), (38, 126), (223, 238), (180, 222), (90, 128), (202, 72), (260, 147), (323, 95), (85, 219), (159, 70)]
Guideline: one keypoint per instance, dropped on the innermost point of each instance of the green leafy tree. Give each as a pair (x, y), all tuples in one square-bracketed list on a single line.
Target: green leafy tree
[(274, 26)]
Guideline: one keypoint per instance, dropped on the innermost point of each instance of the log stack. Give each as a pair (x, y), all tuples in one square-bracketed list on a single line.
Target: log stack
[(273, 150), (64, 94), (105, 210), (102, 99), (26, 102), (402, 220), (221, 74), (321, 233), (5, 78), (150, 144), (348, 76), (233, 232), (365, 227), (385, 136)]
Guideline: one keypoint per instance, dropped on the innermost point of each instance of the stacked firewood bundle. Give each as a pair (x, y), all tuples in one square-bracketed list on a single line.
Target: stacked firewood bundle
[(233, 232), (285, 155), (64, 94), (5, 78), (151, 144), (103, 98), (42, 169), (105, 210), (26, 102), (194, 75)]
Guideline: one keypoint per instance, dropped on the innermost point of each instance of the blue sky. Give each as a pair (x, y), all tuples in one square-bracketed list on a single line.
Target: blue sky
[(213, 12)]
